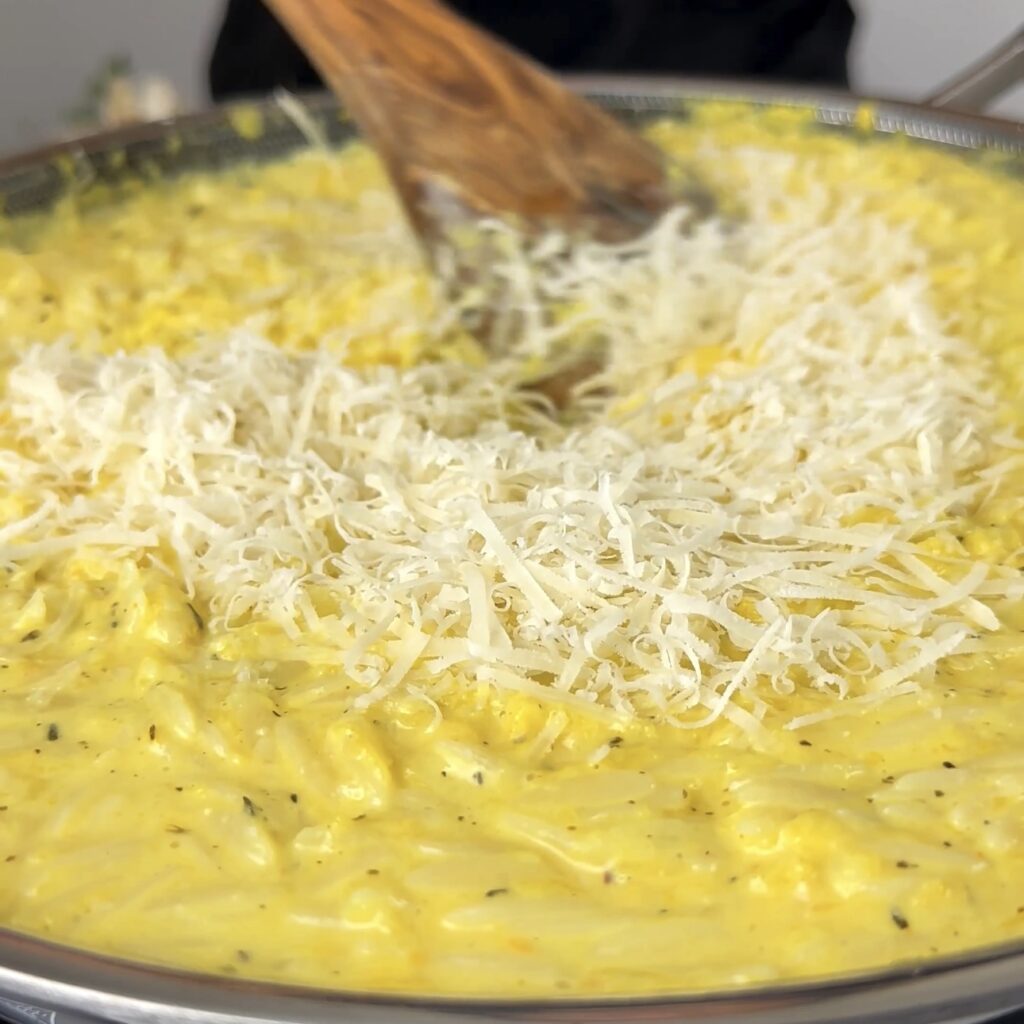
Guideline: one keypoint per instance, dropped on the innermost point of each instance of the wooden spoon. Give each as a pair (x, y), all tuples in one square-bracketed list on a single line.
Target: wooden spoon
[(468, 128)]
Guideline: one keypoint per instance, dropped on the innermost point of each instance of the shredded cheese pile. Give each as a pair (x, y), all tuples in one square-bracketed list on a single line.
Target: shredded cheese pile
[(742, 517)]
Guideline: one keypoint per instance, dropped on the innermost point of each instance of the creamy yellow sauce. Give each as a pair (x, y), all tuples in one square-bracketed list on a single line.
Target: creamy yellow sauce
[(157, 804)]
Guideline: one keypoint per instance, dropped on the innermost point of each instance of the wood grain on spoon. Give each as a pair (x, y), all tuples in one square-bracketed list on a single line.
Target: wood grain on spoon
[(467, 127)]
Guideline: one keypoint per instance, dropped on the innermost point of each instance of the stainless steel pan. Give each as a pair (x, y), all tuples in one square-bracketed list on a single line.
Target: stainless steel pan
[(80, 985)]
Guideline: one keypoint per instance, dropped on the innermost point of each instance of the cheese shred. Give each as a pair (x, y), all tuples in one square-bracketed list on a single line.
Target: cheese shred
[(739, 507)]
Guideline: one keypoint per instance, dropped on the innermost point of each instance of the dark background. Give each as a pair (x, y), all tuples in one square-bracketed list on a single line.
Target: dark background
[(788, 40)]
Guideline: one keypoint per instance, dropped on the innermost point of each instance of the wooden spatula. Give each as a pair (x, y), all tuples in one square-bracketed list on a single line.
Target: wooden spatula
[(468, 128)]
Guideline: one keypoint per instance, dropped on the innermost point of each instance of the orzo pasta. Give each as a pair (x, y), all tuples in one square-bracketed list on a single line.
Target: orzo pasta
[(327, 656)]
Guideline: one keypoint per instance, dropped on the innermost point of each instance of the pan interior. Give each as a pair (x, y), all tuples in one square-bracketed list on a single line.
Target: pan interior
[(911, 891)]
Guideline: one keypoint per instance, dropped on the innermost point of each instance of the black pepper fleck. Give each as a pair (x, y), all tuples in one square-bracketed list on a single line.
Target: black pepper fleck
[(294, 797), (52, 732), (152, 732), (948, 764), (478, 778), (899, 920)]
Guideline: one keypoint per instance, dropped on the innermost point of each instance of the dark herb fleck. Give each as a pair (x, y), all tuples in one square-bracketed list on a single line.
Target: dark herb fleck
[(294, 797), (359, 817), (152, 732), (491, 893), (478, 778), (889, 779), (176, 830), (948, 764), (52, 732), (806, 743), (196, 616), (372, 871), (905, 864), (243, 956), (32, 634), (899, 920), (615, 741), (940, 792), (11, 858), (250, 807), (608, 877)]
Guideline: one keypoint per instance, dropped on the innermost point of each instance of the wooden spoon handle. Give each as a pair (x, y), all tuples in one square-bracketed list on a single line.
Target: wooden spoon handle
[(453, 111)]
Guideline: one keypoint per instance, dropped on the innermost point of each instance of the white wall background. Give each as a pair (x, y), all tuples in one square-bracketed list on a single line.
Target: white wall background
[(50, 48), (905, 48)]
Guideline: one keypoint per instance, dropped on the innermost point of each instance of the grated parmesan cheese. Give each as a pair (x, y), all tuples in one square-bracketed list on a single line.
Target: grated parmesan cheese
[(698, 545)]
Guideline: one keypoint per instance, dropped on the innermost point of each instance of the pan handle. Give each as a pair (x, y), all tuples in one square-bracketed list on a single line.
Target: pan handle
[(985, 80)]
